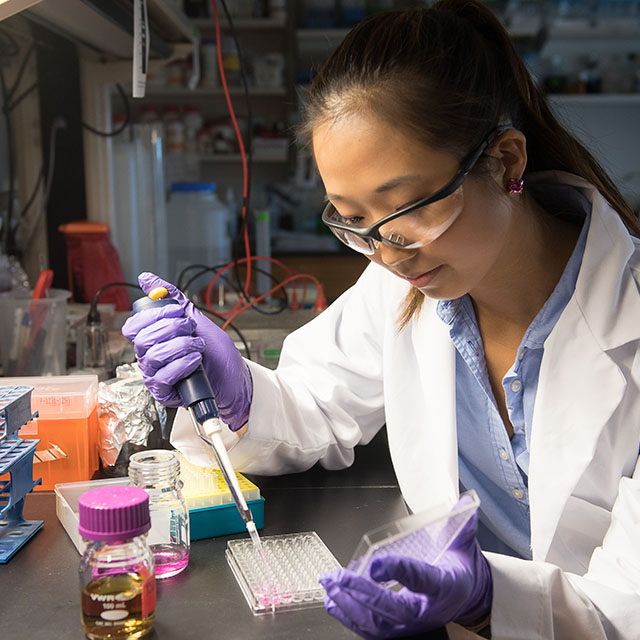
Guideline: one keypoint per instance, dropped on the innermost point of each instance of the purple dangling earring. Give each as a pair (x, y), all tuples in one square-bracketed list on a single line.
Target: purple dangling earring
[(516, 185)]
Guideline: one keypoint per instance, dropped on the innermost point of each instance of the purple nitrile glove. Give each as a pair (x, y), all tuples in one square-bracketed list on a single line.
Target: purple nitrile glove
[(171, 341), (458, 588)]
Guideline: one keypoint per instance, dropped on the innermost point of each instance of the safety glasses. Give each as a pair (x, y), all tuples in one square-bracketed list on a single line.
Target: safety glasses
[(413, 226)]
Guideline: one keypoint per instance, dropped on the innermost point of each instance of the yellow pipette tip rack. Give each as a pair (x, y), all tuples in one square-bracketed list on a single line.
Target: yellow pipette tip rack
[(205, 487), (212, 511)]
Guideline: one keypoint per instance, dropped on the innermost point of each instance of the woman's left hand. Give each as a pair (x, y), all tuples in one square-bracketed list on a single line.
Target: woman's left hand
[(458, 588)]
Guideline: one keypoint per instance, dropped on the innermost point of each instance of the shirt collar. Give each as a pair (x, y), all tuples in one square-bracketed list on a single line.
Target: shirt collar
[(570, 204)]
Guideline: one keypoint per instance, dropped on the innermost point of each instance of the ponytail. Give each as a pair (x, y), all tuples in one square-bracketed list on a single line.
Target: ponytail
[(449, 74), (549, 145)]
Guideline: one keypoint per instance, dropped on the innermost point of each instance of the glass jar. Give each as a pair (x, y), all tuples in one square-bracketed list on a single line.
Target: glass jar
[(158, 472), (117, 580)]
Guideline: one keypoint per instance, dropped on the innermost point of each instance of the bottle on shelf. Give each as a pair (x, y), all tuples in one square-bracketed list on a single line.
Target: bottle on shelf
[(268, 71), (176, 73), (193, 122), (149, 114), (170, 112), (319, 14), (556, 78), (231, 61), (277, 9), (633, 72), (589, 78), (353, 11), (209, 58)]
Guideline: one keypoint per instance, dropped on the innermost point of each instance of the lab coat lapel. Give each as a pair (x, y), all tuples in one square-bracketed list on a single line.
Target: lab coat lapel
[(580, 384), (425, 450), (569, 415)]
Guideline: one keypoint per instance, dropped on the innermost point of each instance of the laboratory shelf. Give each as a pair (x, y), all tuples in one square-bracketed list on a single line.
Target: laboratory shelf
[(209, 92), (245, 24), (607, 99), (602, 29), (320, 37), (230, 158)]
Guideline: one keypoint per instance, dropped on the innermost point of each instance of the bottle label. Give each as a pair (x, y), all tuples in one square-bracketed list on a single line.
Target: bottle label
[(109, 608)]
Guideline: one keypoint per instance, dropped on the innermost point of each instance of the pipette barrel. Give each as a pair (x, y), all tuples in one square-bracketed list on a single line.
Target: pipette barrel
[(197, 396)]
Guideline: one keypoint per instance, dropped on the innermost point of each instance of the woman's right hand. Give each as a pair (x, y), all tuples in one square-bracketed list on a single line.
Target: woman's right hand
[(171, 341)]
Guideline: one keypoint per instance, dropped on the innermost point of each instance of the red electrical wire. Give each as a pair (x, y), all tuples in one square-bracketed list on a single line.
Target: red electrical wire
[(250, 259), (319, 305), (243, 155), (320, 302)]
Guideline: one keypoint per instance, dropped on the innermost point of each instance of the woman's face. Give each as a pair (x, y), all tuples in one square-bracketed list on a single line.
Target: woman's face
[(371, 169)]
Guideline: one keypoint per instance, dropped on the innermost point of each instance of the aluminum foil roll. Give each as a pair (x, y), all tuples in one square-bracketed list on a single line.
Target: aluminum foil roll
[(128, 416)]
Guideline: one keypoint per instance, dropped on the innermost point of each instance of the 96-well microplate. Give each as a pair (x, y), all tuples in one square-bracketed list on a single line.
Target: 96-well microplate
[(423, 536), (290, 579)]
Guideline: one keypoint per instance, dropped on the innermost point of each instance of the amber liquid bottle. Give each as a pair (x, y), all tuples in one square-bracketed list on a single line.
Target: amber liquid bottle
[(117, 579)]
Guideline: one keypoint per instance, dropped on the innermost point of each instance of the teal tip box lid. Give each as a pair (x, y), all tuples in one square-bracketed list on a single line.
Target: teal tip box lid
[(223, 519)]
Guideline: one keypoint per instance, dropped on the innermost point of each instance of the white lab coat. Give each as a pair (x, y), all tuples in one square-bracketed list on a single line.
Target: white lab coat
[(346, 373)]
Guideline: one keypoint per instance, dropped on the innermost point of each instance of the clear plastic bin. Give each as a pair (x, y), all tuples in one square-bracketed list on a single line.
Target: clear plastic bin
[(67, 427), (32, 333)]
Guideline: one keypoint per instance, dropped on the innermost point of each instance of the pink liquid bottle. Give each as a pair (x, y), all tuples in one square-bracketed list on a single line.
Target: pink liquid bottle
[(158, 472)]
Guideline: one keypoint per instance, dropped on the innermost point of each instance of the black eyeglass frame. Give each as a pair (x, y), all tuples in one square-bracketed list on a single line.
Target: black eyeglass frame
[(372, 232)]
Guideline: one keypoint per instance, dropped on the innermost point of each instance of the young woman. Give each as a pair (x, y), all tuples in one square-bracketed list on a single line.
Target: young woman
[(496, 333)]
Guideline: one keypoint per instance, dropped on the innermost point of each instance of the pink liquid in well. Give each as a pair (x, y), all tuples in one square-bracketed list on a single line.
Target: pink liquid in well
[(169, 559)]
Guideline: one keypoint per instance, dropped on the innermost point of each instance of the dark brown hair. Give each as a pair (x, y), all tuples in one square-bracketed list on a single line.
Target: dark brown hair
[(448, 75)]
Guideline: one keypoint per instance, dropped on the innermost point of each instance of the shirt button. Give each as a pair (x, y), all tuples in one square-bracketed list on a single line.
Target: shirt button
[(517, 494), (520, 354), (516, 385), (503, 454)]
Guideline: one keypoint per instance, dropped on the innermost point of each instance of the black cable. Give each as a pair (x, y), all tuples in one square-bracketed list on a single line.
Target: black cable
[(9, 104), (22, 96), (6, 227), (204, 269), (23, 66), (94, 315), (58, 123), (123, 126), (34, 193), (245, 344), (12, 49), (201, 273), (285, 297), (188, 268)]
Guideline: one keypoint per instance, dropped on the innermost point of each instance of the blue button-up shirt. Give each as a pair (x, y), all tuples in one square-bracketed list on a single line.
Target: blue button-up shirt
[(496, 467)]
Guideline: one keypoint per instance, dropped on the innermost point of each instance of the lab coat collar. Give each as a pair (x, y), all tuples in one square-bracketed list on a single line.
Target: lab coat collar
[(580, 384), (604, 268)]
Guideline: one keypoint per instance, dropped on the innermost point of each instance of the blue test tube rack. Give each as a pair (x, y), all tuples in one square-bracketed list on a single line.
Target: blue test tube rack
[(16, 459)]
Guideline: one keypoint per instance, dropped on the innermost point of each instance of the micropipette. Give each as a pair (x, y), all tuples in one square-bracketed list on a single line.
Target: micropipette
[(198, 397)]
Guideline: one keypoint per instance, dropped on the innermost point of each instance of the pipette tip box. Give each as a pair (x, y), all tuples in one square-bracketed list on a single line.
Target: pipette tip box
[(287, 578), (209, 516)]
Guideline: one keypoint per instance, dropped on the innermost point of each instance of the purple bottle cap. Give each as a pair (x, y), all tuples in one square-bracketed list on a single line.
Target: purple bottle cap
[(113, 513)]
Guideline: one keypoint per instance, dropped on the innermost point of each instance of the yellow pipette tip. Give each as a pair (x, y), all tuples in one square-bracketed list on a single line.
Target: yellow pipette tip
[(158, 293)]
